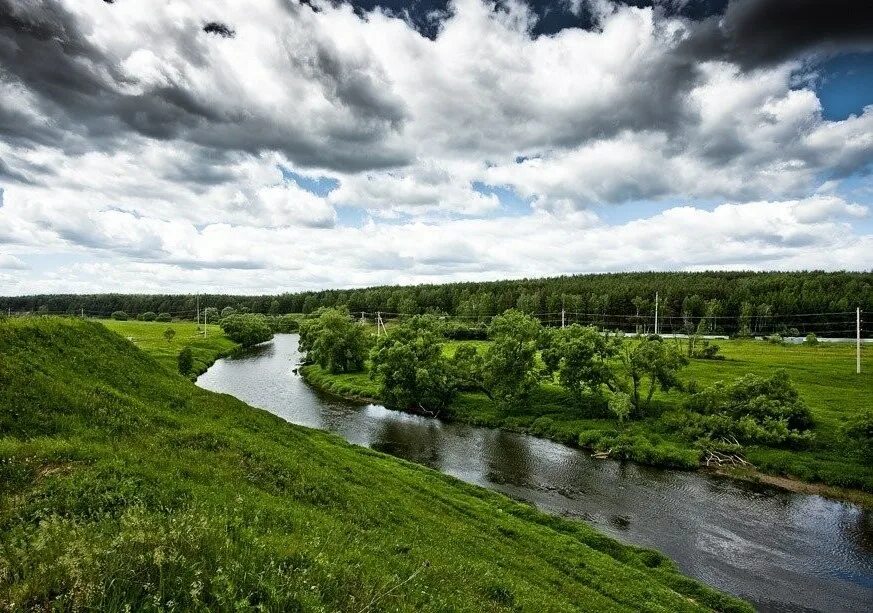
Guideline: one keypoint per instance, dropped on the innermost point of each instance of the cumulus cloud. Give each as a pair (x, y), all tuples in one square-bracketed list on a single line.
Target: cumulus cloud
[(173, 139)]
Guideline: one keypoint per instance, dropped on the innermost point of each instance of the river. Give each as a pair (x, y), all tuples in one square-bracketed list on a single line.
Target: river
[(780, 550)]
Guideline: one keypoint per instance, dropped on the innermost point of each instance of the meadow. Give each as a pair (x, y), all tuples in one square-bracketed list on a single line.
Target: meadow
[(823, 374), (123, 486), (149, 336)]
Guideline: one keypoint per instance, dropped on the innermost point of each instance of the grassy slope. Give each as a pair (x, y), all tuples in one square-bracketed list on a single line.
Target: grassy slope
[(825, 376), (122, 483), (149, 335)]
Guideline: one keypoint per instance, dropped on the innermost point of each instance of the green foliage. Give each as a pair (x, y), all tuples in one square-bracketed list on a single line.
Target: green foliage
[(283, 324), (186, 361), (246, 329), (705, 350), (729, 301), (409, 365), (510, 369), (860, 430), (811, 340), (334, 341), (824, 376), (164, 318), (147, 316), (467, 366), (169, 334), (211, 314), (228, 310), (620, 405), (582, 358), (461, 331), (126, 487), (752, 409), (651, 363), (119, 316)]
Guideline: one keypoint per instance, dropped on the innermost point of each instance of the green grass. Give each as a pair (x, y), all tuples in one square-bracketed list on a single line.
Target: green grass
[(122, 484), (149, 335), (824, 375)]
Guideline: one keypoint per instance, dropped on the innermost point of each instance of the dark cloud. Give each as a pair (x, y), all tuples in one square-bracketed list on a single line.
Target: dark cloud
[(221, 29), (86, 96), (755, 33)]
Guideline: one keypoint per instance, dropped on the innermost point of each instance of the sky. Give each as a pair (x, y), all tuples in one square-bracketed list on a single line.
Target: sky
[(279, 145)]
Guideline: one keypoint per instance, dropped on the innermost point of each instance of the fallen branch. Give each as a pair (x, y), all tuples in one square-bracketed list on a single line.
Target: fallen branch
[(717, 458)]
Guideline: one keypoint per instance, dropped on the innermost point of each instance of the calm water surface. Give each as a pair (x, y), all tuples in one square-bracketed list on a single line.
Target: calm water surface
[(782, 551)]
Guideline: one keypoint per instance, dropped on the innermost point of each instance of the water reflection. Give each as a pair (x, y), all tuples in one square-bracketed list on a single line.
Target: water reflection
[(782, 551)]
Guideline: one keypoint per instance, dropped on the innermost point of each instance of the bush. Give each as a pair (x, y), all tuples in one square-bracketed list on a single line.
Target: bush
[(246, 329), (811, 339), (119, 316), (775, 339), (186, 361), (147, 316), (227, 311), (458, 331), (708, 351), (164, 318), (861, 431), (751, 409), (282, 324)]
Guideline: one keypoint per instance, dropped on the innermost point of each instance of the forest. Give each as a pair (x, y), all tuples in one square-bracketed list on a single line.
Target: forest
[(743, 303)]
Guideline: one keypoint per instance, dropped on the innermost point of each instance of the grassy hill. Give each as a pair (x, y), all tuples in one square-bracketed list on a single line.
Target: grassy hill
[(123, 484)]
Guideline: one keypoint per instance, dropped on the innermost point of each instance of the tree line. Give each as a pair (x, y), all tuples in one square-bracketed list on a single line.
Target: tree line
[(733, 302)]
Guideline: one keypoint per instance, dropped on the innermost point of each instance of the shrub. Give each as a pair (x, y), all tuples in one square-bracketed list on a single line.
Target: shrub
[(119, 316), (458, 331), (811, 339), (246, 329), (282, 324), (227, 311), (708, 351), (775, 339), (169, 334), (164, 318), (860, 430), (186, 361), (147, 316), (752, 409)]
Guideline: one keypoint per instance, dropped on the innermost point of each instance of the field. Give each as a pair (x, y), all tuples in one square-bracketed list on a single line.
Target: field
[(824, 375), (123, 484), (149, 335)]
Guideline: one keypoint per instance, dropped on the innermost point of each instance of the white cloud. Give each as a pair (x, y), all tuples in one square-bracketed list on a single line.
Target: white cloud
[(169, 161)]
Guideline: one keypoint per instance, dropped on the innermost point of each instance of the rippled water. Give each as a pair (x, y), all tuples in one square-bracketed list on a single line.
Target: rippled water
[(782, 551)]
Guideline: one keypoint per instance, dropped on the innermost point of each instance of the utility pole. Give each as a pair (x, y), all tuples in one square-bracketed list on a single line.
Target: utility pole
[(858, 340), (656, 313), (562, 318), (380, 325), (204, 320)]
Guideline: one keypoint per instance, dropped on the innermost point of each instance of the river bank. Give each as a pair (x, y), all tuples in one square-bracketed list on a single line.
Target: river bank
[(782, 551), (358, 387)]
